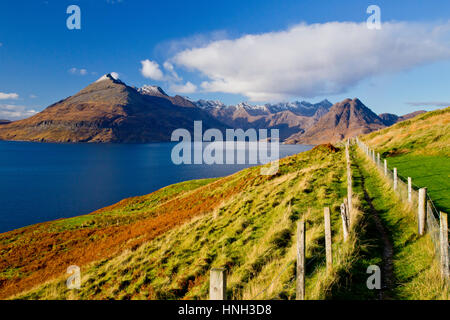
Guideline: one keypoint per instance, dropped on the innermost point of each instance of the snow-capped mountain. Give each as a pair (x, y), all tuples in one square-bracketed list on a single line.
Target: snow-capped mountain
[(288, 117), (209, 104), (302, 108), (152, 91)]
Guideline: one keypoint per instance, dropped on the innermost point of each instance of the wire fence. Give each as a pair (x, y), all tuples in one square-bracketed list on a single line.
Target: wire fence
[(409, 195)]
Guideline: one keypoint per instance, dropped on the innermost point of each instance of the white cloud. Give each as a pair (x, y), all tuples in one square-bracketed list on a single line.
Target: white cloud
[(313, 60), (13, 112), (173, 75), (188, 87), (33, 96), (151, 70), (8, 96), (81, 72)]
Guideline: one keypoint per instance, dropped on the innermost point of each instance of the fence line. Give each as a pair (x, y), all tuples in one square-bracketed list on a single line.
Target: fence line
[(409, 194)]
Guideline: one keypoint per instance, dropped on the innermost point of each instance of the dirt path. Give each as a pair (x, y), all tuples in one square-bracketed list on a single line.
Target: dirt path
[(387, 273)]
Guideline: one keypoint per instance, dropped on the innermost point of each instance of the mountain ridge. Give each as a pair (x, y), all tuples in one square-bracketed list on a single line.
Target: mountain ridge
[(288, 117), (108, 110)]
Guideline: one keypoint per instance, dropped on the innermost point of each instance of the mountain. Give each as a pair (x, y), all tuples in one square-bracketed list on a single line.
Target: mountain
[(389, 119), (345, 119), (110, 111), (288, 117), (2, 121)]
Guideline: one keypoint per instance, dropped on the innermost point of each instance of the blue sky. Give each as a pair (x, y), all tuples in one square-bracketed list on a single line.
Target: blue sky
[(37, 50)]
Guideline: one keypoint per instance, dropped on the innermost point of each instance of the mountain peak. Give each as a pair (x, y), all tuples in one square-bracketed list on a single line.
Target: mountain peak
[(152, 90), (114, 76), (347, 118)]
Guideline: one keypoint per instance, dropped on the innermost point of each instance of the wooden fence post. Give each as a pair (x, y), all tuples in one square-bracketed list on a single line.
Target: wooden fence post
[(329, 254), (218, 284), (300, 291), (349, 192), (345, 219), (378, 159), (409, 189), (385, 167), (443, 236), (395, 179), (422, 213), (347, 153)]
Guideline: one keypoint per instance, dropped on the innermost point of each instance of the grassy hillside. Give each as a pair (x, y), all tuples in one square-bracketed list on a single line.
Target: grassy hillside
[(162, 246), (419, 148)]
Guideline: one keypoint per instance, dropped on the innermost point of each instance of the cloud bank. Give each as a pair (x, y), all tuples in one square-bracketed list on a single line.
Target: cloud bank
[(313, 60)]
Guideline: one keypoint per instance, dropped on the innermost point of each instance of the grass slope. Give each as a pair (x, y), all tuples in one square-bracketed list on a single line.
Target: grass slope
[(245, 222), (419, 148)]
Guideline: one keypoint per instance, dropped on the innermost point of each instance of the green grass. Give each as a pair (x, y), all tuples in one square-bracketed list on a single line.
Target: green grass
[(427, 134), (432, 172), (416, 270)]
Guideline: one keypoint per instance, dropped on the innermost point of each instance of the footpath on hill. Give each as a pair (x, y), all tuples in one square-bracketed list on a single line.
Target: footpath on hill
[(387, 237)]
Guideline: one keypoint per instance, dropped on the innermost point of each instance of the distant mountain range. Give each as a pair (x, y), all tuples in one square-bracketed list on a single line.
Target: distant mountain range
[(289, 118), (108, 110)]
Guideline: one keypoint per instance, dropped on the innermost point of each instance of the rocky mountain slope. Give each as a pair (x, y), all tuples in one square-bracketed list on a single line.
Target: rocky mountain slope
[(345, 119), (288, 117), (110, 111)]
